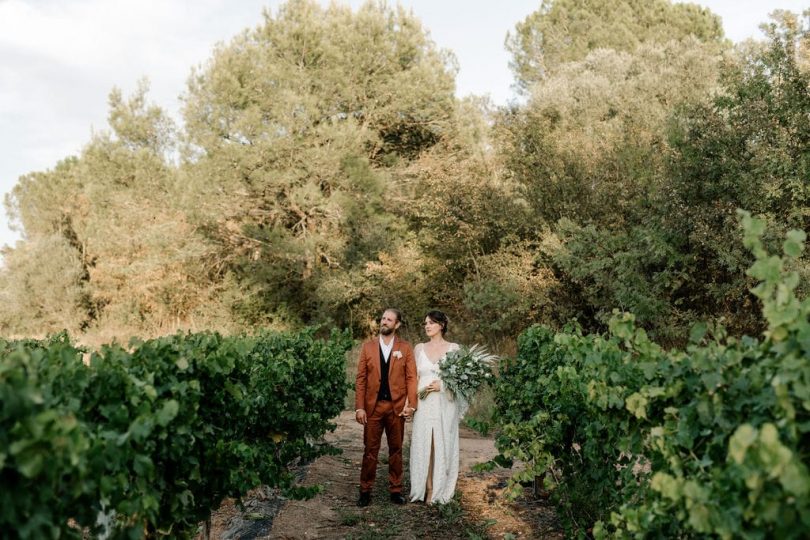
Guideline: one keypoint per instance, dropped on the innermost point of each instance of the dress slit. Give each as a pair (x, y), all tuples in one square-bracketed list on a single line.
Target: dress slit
[(429, 479)]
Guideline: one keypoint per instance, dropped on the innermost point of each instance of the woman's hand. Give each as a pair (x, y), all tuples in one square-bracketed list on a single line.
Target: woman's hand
[(434, 386)]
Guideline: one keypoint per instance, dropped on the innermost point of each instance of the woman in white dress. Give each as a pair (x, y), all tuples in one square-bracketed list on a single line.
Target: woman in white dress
[(434, 440)]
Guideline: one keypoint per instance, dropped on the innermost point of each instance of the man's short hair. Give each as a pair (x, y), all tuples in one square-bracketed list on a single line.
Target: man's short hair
[(396, 312)]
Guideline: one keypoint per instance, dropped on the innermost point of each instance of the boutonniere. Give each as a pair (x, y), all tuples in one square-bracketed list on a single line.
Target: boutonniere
[(397, 354)]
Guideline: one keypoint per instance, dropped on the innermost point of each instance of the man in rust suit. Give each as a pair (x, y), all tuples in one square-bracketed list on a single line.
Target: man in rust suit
[(385, 397)]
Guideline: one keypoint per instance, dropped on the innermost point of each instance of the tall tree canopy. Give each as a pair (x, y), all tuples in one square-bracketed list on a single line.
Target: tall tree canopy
[(325, 169), (562, 31), (747, 149), (296, 132), (115, 207)]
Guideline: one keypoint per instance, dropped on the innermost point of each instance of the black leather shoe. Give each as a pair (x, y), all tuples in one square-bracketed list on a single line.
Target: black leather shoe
[(365, 498), (397, 498)]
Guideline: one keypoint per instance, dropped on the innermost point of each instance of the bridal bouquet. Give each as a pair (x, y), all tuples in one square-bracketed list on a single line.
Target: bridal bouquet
[(464, 370)]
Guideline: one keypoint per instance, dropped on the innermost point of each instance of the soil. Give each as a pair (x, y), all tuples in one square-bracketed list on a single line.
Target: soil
[(479, 510)]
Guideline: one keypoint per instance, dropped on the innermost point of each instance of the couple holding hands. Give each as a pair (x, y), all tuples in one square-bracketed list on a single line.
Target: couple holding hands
[(390, 377)]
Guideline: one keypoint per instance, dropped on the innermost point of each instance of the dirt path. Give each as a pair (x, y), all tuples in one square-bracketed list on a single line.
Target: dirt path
[(477, 512)]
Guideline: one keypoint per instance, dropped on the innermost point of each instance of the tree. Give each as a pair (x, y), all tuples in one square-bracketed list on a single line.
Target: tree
[(464, 211), (747, 149), (589, 144), (589, 150), (44, 288), (567, 30), (115, 205), (295, 133)]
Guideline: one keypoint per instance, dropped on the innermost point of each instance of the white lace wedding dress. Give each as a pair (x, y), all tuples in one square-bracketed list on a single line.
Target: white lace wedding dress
[(437, 417)]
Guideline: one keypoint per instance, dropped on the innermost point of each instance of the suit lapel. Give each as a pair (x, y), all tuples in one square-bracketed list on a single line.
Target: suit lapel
[(391, 356), (375, 357)]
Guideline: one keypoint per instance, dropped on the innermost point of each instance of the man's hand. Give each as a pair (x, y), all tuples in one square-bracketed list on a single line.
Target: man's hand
[(360, 416), (407, 412)]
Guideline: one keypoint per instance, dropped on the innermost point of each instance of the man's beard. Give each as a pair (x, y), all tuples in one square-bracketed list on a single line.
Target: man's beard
[(386, 331)]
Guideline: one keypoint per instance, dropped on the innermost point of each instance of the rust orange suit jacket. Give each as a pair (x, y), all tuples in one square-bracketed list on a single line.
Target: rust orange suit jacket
[(402, 376)]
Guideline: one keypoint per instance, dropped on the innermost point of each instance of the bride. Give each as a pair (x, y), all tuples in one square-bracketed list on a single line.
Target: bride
[(434, 441)]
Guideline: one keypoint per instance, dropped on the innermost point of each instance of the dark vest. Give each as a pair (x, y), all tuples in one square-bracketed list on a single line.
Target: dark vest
[(385, 392)]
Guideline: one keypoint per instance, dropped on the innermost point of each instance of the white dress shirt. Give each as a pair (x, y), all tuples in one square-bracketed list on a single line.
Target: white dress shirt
[(386, 349)]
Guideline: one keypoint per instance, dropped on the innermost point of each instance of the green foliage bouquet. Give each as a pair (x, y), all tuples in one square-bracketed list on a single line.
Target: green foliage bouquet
[(463, 371)]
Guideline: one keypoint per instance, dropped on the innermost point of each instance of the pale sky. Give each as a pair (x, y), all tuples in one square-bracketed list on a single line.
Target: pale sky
[(59, 59)]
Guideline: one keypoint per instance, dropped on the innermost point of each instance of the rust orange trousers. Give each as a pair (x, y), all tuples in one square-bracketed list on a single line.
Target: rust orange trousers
[(383, 418)]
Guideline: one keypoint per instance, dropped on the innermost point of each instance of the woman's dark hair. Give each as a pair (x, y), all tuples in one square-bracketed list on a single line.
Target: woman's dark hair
[(439, 318)]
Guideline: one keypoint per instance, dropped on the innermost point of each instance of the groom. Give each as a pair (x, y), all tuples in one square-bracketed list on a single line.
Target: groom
[(385, 397)]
